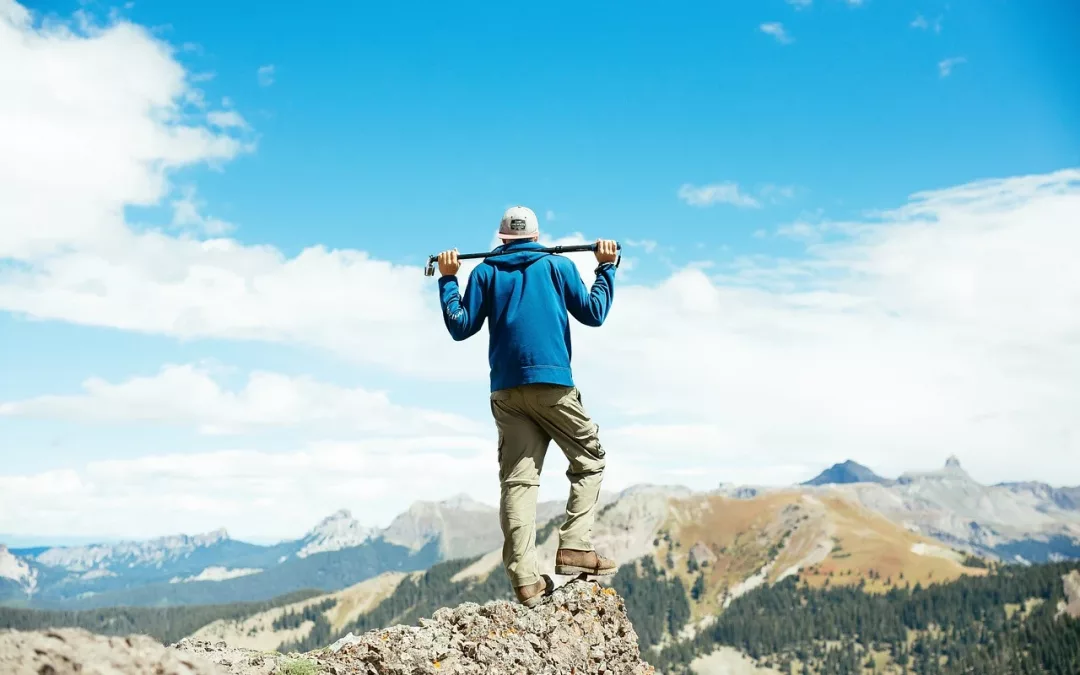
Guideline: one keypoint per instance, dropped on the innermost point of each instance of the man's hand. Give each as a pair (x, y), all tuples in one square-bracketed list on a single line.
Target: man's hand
[(606, 251), (449, 263)]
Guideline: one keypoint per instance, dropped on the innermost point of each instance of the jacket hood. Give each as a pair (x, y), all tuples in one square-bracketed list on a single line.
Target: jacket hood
[(523, 254)]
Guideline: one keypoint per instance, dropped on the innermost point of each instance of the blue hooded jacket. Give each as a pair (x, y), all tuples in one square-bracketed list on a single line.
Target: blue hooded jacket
[(526, 297)]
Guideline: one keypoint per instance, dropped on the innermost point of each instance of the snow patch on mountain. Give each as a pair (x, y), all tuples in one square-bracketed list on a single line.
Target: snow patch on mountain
[(216, 574), (750, 583), (337, 531), (18, 570), (920, 548), (131, 554)]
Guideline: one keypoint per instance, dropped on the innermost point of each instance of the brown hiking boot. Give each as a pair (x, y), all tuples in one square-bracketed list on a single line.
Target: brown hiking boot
[(568, 562), (533, 594)]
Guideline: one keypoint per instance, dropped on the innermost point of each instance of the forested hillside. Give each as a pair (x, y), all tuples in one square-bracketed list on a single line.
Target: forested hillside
[(1005, 623), (167, 624)]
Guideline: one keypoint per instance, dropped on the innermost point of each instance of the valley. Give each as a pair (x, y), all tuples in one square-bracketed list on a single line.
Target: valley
[(696, 570)]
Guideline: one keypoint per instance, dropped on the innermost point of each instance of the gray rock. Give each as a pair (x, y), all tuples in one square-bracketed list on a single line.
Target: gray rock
[(582, 628), (68, 651)]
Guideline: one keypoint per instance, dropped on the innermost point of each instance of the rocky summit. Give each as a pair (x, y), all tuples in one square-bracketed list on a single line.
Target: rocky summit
[(582, 628)]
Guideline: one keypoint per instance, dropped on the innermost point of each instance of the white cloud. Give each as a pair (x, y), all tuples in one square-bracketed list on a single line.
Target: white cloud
[(549, 216), (717, 193), (945, 66), (190, 395), (88, 125), (187, 215), (226, 119), (946, 325), (265, 75), (800, 4), (920, 22), (272, 495), (777, 193), (776, 29), (253, 493)]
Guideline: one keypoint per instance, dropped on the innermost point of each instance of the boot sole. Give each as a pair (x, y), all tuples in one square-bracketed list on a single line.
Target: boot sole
[(549, 588), (570, 570)]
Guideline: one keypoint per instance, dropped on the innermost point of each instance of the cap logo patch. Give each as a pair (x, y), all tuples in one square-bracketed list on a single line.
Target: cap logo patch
[(517, 225)]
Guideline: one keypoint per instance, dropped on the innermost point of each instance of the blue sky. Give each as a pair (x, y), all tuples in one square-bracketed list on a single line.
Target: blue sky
[(398, 129), (379, 108)]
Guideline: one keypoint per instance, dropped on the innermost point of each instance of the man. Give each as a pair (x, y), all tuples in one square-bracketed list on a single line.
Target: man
[(526, 297)]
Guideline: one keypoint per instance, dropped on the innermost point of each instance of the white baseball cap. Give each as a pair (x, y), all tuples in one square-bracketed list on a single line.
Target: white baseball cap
[(519, 222)]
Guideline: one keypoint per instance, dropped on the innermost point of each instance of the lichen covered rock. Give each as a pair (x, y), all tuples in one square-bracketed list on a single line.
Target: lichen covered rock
[(581, 629), (68, 651)]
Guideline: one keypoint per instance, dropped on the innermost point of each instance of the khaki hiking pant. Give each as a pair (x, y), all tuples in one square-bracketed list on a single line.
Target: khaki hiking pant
[(528, 418)]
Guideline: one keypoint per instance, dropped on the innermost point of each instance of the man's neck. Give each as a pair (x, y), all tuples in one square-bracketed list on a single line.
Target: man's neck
[(519, 242)]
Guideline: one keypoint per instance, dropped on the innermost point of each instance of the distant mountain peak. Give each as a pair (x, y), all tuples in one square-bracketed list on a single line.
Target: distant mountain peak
[(335, 532), (848, 471), (459, 523), (951, 473), (341, 515), (464, 502), (18, 570), (210, 538), (131, 553)]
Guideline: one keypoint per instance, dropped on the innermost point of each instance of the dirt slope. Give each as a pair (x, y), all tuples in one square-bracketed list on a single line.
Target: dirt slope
[(736, 545), (258, 632)]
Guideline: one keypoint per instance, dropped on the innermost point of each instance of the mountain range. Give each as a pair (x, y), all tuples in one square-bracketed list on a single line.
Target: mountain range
[(1018, 522)]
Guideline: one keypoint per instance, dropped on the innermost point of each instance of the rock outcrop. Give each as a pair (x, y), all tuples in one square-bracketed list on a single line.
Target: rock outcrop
[(582, 628), (1071, 604), (68, 651)]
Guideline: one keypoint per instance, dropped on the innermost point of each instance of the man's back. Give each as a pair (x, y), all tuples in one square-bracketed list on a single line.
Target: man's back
[(527, 297)]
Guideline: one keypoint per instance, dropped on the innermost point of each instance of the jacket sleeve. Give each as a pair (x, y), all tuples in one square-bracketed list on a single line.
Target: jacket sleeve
[(463, 318), (589, 306)]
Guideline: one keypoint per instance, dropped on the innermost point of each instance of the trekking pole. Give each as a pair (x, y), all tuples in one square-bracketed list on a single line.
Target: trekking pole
[(429, 271)]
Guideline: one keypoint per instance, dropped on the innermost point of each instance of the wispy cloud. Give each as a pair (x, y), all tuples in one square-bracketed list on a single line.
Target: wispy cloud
[(729, 192), (187, 214), (945, 66), (716, 193), (776, 29), (776, 193), (226, 119), (648, 244), (191, 395), (800, 4), (266, 75), (921, 23), (549, 215)]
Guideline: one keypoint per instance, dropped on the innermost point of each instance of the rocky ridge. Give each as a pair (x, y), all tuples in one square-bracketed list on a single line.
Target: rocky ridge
[(17, 570), (582, 628), (995, 521), (150, 552)]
